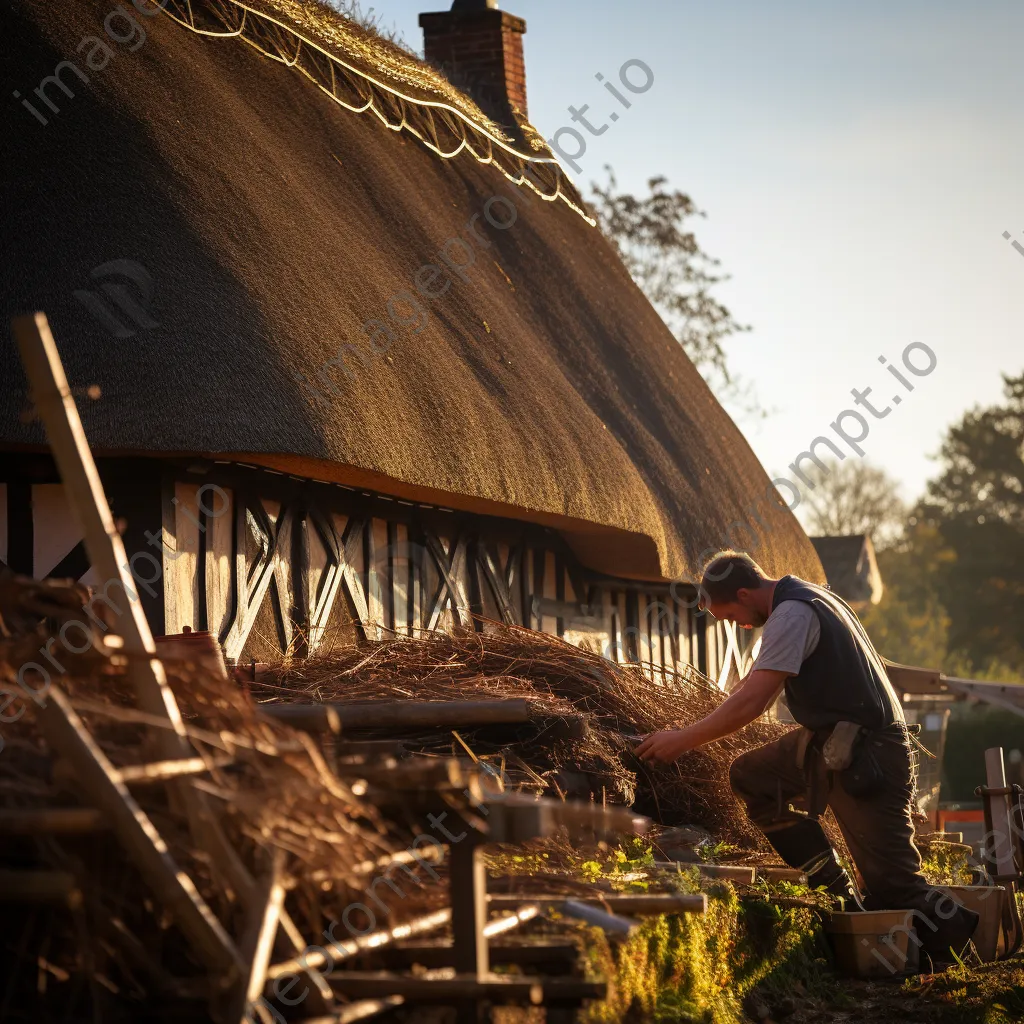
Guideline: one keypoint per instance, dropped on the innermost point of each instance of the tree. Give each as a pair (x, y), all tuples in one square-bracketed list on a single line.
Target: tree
[(910, 624), (977, 504), (983, 478), (661, 253), (954, 596), (854, 497)]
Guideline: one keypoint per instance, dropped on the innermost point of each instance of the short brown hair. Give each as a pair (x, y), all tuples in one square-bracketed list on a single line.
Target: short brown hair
[(727, 573)]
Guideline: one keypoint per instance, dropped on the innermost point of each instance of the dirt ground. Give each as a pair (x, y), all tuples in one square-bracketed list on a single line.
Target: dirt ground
[(982, 994)]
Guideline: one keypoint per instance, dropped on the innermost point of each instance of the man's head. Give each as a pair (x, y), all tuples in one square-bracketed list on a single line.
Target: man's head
[(734, 587)]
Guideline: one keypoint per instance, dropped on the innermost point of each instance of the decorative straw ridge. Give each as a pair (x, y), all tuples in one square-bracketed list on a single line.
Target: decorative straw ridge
[(441, 126)]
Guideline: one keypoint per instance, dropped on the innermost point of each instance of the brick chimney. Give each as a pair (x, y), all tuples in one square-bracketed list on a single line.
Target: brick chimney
[(481, 49)]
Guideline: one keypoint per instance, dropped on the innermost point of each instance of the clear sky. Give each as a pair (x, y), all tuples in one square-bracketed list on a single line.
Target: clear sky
[(858, 162)]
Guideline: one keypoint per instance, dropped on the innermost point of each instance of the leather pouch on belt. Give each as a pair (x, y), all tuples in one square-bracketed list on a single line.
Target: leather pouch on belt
[(846, 754), (839, 747)]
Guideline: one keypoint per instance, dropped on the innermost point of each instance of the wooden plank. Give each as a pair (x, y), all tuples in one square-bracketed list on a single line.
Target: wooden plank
[(181, 590), (257, 943), (493, 987), (56, 407), (641, 904), (352, 574), (219, 556), (400, 714), (288, 594), (375, 548), (418, 560), (401, 575), (557, 955), (334, 952), (319, 562), (51, 820), (467, 885), (549, 623), (327, 533), (66, 733), (999, 852), (451, 601), (252, 582), (343, 949), (496, 580)]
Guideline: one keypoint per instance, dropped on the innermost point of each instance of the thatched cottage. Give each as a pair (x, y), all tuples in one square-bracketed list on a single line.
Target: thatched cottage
[(350, 351)]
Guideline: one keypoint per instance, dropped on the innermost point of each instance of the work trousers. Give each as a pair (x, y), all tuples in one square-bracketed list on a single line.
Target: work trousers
[(878, 830)]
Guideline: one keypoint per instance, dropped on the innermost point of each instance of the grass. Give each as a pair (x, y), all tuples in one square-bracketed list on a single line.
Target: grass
[(752, 956), (706, 968)]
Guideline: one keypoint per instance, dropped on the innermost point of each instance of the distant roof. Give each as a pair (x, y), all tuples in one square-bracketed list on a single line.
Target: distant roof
[(850, 567), (280, 205)]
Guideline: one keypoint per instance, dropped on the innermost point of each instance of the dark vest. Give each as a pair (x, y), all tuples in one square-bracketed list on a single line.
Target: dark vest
[(844, 679)]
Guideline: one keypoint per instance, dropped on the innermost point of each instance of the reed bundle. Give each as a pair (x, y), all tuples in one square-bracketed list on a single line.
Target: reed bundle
[(610, 705)]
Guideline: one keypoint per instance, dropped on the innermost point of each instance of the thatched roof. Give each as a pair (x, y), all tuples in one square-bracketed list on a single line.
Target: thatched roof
[(275, 221)]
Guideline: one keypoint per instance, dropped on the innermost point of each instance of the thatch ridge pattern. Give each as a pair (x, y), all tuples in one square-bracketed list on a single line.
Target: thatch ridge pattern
[(442, 127)]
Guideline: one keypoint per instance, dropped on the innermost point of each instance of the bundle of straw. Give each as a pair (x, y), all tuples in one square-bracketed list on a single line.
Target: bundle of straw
[(618, 704)]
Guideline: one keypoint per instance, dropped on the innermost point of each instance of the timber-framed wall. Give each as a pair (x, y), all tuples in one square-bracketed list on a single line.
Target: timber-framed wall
[(272, 563)]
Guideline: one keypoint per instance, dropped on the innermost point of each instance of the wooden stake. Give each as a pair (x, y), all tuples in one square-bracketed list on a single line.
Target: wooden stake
[(84, 491), (257, 943)]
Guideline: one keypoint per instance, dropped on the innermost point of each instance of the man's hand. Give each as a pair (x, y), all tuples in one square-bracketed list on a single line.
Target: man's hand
[(665, 746), (754, 695)]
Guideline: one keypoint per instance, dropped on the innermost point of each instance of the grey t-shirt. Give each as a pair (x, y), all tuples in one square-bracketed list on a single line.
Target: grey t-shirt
[(789, 638)]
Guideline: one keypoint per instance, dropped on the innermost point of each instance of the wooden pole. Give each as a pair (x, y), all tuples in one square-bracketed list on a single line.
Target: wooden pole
[(84, 491), (999, 850), (257, 944), (399, 714)]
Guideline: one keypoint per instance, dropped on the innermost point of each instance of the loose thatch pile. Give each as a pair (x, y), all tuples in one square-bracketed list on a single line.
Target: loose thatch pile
[(267, 788), (277, 797), (587, 714)]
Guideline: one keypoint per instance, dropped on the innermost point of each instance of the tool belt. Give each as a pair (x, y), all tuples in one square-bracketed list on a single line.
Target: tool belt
[(842, 753)]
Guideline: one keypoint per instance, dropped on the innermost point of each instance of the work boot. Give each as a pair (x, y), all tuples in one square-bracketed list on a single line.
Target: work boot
[(804, 845), (941, 932), (826, 872)]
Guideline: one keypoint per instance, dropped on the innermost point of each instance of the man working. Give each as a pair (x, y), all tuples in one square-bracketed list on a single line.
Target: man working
[(853, 753)]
